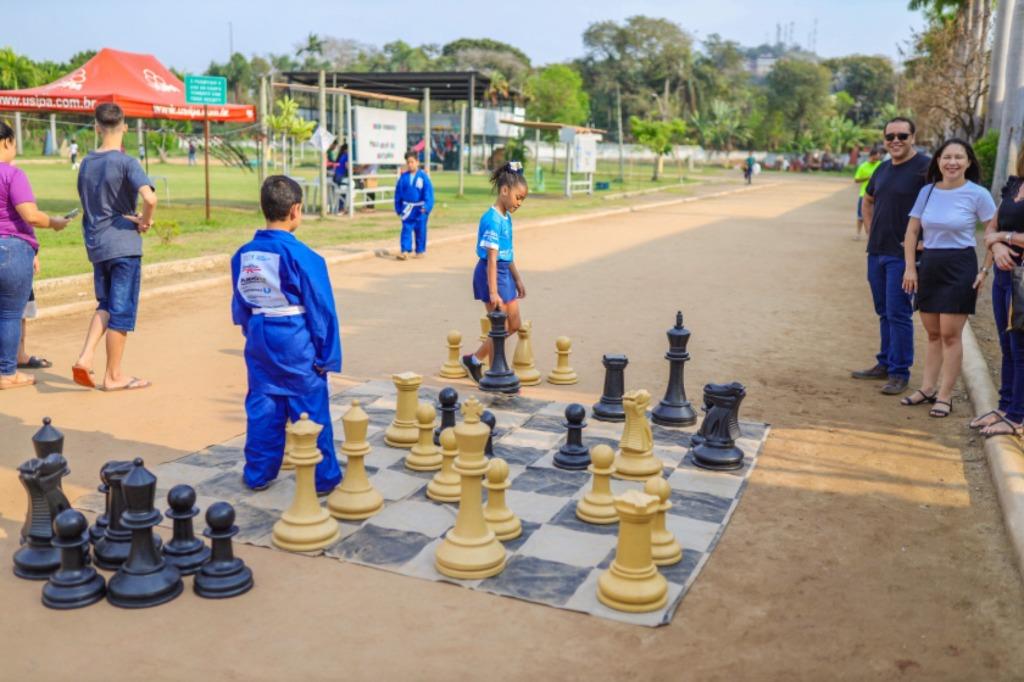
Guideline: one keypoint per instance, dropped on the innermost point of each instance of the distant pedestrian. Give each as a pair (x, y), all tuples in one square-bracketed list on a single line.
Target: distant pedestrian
[(748, 168), (191, 152), (861, 176), (73, 148), (414, 200)]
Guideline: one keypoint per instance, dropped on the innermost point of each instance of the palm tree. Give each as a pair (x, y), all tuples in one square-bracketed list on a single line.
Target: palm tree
[(16, 71), (313, 47)]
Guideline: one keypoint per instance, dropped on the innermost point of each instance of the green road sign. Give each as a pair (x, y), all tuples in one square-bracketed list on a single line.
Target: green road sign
[(206, 90)]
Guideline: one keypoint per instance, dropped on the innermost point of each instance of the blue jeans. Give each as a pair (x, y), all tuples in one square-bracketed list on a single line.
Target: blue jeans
[(1011, 385), (895, 313), (414, 225), (117, 290), (16, 256)]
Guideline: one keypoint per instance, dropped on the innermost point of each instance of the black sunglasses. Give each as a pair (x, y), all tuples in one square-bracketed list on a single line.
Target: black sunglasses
[(889, 137)]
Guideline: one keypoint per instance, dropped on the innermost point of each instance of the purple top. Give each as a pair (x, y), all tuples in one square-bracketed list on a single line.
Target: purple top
[(14, 190)]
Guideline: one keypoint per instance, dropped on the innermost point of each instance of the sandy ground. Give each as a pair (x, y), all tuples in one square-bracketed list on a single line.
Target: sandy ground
[(867, 546)]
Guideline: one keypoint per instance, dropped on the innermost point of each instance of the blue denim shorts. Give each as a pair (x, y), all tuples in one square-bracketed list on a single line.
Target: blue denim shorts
[(117, 290)]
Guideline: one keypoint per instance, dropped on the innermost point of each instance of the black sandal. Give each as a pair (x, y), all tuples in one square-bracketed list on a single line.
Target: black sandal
[(939, 414), (925, 399), (975, 423), (1015, 429)]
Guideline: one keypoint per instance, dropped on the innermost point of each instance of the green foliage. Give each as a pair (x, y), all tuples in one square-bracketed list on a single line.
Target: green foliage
[(516, 150), (870, 81), (722, 128), (658, 136), (166, 230), (16, 71), (556, 94), (837, 134), (799, 91), (986, 149)]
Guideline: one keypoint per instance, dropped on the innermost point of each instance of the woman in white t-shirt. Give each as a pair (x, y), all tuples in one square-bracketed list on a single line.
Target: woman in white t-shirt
[(947, 211)]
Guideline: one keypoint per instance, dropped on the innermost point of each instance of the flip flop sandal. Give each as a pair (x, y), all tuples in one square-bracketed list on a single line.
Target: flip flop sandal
[(925, 399), (974, 424), (939, 414), (135, 384), (35, 363), (82, 376), (1014, 429)]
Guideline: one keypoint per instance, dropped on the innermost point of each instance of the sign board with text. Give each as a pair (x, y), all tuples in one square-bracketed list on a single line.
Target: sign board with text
[(206, 90), (380, 136), (584, 153)]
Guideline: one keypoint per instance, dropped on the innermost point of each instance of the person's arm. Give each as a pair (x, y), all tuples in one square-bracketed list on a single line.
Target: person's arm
[(144, 186), (910, 255), (31, 214), (321, 315), (428, 194), (520, 287), (399, 204), (241, 312), (867, 211), (492, 277)]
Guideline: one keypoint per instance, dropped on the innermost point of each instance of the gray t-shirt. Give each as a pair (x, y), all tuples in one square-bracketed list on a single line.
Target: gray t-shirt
[(108, 187)]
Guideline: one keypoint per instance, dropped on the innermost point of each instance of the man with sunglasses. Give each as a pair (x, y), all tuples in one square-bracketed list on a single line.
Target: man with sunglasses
[(890, 195)]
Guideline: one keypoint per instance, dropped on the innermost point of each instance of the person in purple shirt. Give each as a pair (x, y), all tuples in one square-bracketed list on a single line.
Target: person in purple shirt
[(18, 248)]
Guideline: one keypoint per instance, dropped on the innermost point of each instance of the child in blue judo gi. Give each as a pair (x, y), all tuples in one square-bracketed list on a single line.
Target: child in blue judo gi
[(285, 306), (414, 200)]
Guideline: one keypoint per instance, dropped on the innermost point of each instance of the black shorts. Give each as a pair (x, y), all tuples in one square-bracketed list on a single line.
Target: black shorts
[(946, 281)]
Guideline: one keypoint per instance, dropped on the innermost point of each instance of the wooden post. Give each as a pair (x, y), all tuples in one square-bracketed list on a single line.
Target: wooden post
[(323, 152), (426, 130), (462, 148), (568, 169), (351, 156), (469, 124), (536, 157), (206, 155), (618, 107), (53, 134)]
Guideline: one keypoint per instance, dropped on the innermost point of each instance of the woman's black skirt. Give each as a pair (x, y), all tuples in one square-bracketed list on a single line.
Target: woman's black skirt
[(946, 281)]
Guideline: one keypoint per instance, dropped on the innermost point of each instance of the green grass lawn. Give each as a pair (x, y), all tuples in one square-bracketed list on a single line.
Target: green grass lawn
[(235, 212)]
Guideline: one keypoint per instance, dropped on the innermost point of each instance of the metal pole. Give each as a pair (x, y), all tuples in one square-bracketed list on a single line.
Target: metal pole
[(18, 143), (206, 155), (264, 132), (618, 107), (145, 144), (462, 148), (469, 136), (536, 157), (351, 156), (53, 133), (323, 151), (426, 130)]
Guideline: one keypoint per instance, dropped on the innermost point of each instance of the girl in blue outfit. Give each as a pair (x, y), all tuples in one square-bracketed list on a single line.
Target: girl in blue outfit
[(496, 279)]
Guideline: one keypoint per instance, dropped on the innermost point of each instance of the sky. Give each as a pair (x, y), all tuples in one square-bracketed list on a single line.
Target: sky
[(188, 34)]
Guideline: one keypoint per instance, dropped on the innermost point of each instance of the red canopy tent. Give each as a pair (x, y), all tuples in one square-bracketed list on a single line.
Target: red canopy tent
[(138, 82)]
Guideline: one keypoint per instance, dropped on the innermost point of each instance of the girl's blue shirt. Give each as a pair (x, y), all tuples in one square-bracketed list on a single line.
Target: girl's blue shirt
[(495, 232)]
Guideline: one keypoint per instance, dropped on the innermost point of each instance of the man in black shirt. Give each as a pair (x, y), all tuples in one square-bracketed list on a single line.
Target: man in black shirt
[(891, 194)]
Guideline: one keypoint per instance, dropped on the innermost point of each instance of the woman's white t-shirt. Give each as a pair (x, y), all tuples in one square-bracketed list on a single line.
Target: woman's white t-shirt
[(949, 216)]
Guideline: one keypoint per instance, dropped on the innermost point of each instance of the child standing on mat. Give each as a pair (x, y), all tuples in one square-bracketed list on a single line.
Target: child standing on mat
[(284, 303), (496, 279), (414, 200)]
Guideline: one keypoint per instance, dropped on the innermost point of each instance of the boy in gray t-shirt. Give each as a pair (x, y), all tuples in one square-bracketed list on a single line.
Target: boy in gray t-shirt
[(109, 183)]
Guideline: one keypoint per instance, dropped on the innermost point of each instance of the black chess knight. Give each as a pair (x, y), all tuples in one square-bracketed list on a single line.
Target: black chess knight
[(714, 445)]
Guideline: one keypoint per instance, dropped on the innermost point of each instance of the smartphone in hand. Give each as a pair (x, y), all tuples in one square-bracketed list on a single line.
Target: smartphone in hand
[(72, 213)]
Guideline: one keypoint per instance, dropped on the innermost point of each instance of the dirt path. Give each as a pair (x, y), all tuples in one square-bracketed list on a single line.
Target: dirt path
[(868, 545)]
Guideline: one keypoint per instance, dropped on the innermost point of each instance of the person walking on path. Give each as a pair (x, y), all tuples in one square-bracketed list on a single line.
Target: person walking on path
[(109, 184), (947, 209), (861, 176), (414, 200), (891, 193), (19, 247)]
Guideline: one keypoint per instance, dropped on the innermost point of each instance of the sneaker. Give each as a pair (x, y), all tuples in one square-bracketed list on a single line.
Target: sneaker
[(402, 256), (324, 493), (895, 385), (473, 367), (257, 488), (876, 372)]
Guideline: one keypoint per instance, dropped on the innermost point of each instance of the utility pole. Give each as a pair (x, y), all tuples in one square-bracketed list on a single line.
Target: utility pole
[(999, 67), (264, 132), (1013, 106), (323, 151), (426, 130), (618, 115)]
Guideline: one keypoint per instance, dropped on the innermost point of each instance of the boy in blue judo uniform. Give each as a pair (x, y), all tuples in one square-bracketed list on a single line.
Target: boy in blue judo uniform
[(414, 200), (284, 304)]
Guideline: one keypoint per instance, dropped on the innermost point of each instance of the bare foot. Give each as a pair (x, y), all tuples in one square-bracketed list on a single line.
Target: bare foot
[(16, 380), (131, 385)]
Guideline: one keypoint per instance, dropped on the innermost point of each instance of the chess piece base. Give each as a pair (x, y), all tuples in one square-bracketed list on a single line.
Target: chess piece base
[(499, 383), (608, 412), (187, 557), (139, 591), (354, 505), (528, 377), (423, 462), (113, 548), (452, 371), (402, 436), (222, 582), (83, 588), (445, 491), (597, 509), (562, 378), (470, 559), (572, 459), (664, 548), (305, 535), (637, 468), (97, 529), (668, 414), (506, 526), (717, 459), (634, 591), (36, 563)]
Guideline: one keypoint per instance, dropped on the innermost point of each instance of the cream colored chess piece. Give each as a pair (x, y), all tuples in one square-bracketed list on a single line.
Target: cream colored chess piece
[(635, 459), (305, 526), (664, 548), (446, 485), (355, 498), (522, 360), (470, 550), (289, 442), (499, 517), (632, 583), (452, 367), (562, 374), (598, 505), (403, 432), (424, 456)]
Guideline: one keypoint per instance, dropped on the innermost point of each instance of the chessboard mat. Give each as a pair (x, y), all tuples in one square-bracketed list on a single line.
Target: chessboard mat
[(557, 559)]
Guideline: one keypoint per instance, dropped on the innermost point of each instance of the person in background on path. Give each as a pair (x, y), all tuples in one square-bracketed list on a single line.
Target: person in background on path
[(340, 177), (1005, 243), (414, 200), (19, 247), (862, 175), (284, 303), (109, 184), (496, 279), (73, 148), (947, 209), (191, 152), (891, 193), (748, 168)]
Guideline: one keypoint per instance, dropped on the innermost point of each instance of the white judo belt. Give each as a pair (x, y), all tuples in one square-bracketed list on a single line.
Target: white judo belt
[(407, 209), (284, 311)]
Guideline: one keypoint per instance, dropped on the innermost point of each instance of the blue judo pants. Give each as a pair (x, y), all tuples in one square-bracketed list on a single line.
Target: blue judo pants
[(264, 441), (415, 225)]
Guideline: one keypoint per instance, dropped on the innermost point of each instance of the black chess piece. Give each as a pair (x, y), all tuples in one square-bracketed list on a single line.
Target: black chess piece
[(448, 406), (488, 418), (498, 378), (47, 440), (185, 550), (609, 408), (674, 409), (113, 546), (715, 443), (144, 579), (41, 478), (573, 455), (97, 529), (74, 584), (223, 575)]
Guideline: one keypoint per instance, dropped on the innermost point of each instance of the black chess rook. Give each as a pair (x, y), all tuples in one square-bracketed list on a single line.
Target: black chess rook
[(41, 478), (573, 454), (715, 443), (448, 407), (224, 575), (74, 584), (185, 551), (674, 409), (498, 378), (609, 408)]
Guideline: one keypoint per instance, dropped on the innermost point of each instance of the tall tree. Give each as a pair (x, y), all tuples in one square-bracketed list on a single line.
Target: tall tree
[(556, 94), (798, 91), (869, 80), (658, 136)]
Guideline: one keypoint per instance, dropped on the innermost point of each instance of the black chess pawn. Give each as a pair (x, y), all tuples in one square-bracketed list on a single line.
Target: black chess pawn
[(448, 407), (223, 575), (498, 378), (609, 408), (41, 478), (674, 409), (144, 579), (573, 455), (47, 440), (185, 550), (488, 418), (74, 584), (715, 443)]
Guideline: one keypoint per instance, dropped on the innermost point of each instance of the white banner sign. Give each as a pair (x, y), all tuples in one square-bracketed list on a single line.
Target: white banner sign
[(584, 153), (380, 136), (322, 139), (489, 122)]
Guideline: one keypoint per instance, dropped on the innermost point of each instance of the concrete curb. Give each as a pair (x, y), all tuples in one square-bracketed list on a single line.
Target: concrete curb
[(1002, 452), (332, 256)]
